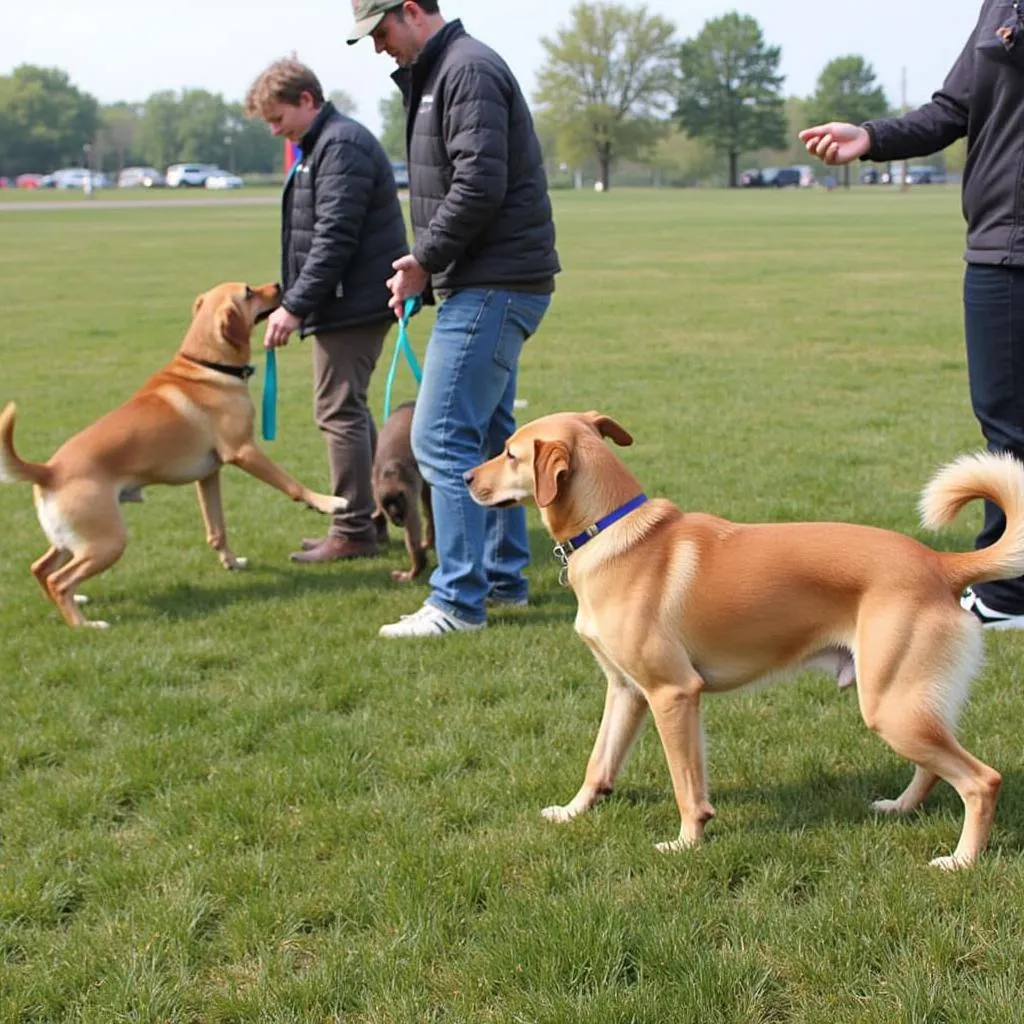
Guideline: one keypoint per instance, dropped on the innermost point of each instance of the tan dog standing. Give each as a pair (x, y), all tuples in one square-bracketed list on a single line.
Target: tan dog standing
[(398, 490), (676, 604), (185, 422)]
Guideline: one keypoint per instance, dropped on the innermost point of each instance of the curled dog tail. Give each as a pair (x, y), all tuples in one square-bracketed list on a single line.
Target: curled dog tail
[(1000, 479), (13, 468)]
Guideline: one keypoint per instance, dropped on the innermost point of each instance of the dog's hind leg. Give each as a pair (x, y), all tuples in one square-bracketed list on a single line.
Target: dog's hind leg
[(212, 508), (48, 564), (89, 562), (624, 710), (915, 712)]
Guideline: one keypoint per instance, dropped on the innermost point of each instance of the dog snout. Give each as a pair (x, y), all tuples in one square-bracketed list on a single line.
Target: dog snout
[(469, 476)]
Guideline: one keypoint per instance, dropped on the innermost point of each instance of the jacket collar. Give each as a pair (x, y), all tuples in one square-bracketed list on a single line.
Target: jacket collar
[(308, 140), (415, 75)]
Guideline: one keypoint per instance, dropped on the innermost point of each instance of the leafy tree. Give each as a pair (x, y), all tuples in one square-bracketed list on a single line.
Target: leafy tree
[(344, 101), (730, 94), (45, 120), (392, 119), (114, 145), (846, 91), (157, 138), (203, 127), (608, 83)]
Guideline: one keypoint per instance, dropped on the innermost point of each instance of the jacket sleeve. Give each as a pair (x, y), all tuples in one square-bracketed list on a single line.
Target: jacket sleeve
[(475, 126), (933, 126), (342, 188)]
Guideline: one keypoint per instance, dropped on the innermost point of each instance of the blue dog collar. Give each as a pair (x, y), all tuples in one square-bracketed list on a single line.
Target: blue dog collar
[(563, 550)]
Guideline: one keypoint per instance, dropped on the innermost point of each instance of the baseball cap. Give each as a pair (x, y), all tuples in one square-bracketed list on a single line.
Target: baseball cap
[(369, 14)]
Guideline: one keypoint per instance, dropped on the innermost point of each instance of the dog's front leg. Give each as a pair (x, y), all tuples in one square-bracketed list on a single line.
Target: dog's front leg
[(428, 515), (624, 711), (676, 708), (212, 508), (255, 463), (413, 545)]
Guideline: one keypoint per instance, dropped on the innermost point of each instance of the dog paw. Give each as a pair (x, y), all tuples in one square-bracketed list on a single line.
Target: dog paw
[(675, 845), (96, 624), (402, 575), (559, 815), (80, 599), (888, 807), (235, 562), (952, 863)]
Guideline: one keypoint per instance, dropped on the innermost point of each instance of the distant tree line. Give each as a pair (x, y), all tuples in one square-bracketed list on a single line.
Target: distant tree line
[(616, 86)]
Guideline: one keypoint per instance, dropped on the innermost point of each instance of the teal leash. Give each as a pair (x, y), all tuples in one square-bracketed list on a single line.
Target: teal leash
[(270, 397), (402, 346)]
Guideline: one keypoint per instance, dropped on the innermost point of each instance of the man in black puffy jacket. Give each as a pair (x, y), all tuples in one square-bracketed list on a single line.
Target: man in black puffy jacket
[(982, 99), (485, 242), (341, 231)]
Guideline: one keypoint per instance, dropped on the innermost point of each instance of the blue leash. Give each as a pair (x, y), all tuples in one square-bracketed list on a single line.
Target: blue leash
[(402, 345), (270, 397), (270, 376)]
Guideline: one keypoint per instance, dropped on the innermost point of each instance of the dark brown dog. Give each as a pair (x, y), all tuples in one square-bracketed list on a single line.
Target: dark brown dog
[(398, 489)]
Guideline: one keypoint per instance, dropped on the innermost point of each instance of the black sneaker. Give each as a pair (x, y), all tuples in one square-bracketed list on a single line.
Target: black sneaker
[(989, 617)]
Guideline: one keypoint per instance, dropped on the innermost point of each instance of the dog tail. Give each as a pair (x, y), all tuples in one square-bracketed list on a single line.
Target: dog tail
[(997, 478), (13, 468)]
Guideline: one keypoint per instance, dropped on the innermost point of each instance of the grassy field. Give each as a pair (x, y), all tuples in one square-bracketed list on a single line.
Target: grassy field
[(240, 805)]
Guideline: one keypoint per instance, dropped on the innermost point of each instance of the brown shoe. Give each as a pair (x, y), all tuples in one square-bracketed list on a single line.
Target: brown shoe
[(334, 549), (308, 543)]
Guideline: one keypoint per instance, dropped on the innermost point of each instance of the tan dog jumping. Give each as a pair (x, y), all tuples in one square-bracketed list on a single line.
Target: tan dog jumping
[(676, 604), (185, 422)]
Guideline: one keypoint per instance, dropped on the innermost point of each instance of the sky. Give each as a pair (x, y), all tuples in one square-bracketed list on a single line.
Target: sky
[(126, 50)]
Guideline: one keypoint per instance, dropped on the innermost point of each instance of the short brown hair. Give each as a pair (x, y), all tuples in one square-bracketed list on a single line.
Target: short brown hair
[(283, 82)]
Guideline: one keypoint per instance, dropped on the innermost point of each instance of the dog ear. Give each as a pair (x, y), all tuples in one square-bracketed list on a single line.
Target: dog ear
[(232, 326), (197, 305), (607, 427), (550, 464)]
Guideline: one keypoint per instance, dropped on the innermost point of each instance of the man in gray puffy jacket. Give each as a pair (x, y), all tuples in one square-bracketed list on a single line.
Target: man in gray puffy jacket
[(982, 99), (485, 244), (341, 231)]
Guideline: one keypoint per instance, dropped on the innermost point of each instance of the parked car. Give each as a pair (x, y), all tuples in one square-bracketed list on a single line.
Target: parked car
[(870, 176), (223, 179), (141, 177), (807, 178), (189, 175), (28, 180), (773, 177), (76, 178), (925, 176), (401, 171)]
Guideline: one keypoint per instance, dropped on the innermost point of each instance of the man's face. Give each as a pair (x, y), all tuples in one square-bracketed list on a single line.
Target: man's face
[(397, 38), (290, 120)]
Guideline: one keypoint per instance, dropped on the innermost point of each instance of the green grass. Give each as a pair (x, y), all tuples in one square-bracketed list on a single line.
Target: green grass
[(240, 805)]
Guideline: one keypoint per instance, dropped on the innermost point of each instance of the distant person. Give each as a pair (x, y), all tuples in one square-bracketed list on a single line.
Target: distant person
[(485, 242), (983, 99), (341, 231)]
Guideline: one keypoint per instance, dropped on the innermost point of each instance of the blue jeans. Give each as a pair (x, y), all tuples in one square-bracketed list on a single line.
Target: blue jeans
[(464, 415), (994, 327)]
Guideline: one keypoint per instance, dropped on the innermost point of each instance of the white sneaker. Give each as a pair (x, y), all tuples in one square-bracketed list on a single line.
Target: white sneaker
[(428, 621), (989, 617)]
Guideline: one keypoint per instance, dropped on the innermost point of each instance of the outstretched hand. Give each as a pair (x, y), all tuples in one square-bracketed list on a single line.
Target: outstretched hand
[(836, 142)]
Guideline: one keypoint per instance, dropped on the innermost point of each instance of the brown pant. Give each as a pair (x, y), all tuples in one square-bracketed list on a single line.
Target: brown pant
[(343, 362)]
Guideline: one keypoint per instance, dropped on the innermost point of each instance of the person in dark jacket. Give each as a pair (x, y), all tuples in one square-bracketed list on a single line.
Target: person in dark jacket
[(982, 99), (485, 244), (341, 230)]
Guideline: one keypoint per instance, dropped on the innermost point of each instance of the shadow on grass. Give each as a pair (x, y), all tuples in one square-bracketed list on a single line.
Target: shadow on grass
[(834, 798)]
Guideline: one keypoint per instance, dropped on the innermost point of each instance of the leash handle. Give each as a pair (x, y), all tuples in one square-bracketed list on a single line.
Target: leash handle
[(402, 346), (270, 397)]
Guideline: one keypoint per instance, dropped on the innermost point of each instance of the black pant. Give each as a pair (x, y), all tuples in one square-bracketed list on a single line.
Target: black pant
[(994, 327)]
